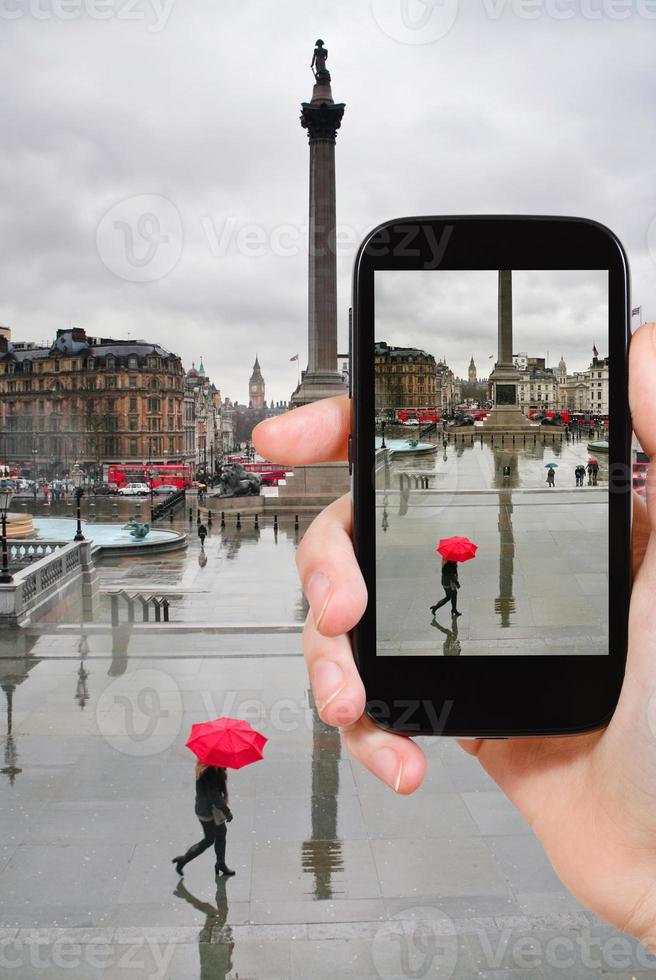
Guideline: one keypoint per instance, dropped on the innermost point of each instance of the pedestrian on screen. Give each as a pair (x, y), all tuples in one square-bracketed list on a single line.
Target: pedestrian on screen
[(213, 812), (551, 478), (450, 584)]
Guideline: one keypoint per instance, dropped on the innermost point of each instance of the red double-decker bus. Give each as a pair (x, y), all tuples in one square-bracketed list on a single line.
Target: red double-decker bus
[(420, 414), (168, 474)]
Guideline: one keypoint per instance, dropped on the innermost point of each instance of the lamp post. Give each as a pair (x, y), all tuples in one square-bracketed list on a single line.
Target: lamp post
[(5, 500), (383, 444), (78, 478)]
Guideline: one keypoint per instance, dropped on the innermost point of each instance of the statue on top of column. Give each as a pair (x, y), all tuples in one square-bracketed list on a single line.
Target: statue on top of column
[(319, 57)]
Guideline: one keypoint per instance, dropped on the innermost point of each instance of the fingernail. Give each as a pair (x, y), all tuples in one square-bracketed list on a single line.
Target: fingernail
[(327, 682), (386, 764), (317, 590)]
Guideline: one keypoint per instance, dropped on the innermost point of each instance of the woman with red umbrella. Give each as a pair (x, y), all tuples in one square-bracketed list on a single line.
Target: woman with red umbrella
[(224, 742), (452, 551), (214, 814)]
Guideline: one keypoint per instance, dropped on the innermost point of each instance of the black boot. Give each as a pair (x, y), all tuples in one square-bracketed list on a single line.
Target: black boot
[(179, 863), (223, 869)]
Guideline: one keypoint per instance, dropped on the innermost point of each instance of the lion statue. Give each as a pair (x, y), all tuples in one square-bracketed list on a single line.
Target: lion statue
[(235, 481)]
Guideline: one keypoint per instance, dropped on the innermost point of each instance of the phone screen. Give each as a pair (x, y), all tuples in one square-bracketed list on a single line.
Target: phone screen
[(491, 462)]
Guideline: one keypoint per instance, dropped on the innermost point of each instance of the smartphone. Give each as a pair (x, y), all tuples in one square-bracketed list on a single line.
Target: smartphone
[(491, 474)]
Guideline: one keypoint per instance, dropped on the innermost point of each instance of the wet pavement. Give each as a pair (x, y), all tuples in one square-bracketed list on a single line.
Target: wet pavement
[(539, 581), (336, 876)]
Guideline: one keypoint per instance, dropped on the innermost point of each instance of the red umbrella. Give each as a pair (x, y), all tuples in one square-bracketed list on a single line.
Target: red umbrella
[(457, 549), (592, 460), (227, 742)]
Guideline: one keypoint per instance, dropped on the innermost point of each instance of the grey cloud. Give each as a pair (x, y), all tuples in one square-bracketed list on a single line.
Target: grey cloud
[(499, 115)]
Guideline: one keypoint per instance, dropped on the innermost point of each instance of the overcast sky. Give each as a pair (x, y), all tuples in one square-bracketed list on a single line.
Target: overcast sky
[(454, 315), (188, 111)]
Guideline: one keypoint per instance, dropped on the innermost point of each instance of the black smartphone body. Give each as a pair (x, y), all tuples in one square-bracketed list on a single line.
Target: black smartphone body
[(491, 474)]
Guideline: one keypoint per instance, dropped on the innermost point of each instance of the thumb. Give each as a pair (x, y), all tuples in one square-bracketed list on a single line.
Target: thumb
[(642, 399), (642, 392)]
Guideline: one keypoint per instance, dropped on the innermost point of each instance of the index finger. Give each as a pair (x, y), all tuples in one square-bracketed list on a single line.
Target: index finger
[(316, 433)]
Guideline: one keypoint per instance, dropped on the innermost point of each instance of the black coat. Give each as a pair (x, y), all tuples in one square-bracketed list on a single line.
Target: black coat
[(211, 789), (450, 575)]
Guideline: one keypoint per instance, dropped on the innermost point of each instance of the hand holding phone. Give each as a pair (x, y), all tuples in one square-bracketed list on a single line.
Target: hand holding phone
[(589, 798)]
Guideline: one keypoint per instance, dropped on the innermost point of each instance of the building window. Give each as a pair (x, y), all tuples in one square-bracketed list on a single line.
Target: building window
[(133, 363), (133, 403), (133, 381), (56, 365), (133, 447), (111, 381), (132, 424)]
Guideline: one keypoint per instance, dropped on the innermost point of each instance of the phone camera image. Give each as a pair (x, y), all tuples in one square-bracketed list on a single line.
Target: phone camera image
[(491, 403)]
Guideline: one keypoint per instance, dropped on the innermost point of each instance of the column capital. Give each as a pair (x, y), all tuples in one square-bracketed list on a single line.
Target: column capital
[(322, 120)]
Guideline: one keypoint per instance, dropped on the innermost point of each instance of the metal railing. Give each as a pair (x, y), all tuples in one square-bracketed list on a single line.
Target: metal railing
[(167, 506)]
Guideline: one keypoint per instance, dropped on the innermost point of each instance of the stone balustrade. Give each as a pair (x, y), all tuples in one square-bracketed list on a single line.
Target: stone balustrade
[(64, 568), (23, 553)]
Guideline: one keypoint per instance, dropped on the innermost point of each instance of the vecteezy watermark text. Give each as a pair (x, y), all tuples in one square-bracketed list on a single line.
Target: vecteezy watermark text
[(154, 13), (43, 949)]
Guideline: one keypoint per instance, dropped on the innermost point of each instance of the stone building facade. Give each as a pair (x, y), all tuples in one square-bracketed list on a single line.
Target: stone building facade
[(551, 389), (209, 426), (89, 400), (538, 387), (405, 377)]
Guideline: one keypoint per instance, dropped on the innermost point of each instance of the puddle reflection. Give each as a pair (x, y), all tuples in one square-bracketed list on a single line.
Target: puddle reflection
[(321, 855), (215, 940)]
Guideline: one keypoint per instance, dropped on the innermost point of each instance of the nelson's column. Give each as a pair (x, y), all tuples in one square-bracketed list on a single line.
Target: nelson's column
[(321, 117)]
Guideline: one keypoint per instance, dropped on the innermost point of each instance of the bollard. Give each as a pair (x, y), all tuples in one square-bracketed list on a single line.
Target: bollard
[(198, 517), (257, 522), (295, 520), (209, 518), (171, 516), (191, 514), (275, 522), (222, 518), (238, 519)]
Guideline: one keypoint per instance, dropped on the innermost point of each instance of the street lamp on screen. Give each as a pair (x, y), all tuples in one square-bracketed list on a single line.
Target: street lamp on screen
[(5, 501), (78, 480)]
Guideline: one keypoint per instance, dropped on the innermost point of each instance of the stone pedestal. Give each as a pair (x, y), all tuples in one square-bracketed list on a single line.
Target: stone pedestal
[(319, 484)]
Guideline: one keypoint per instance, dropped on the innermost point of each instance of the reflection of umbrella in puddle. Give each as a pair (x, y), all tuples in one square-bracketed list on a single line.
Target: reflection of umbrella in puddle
[(457, 549)]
